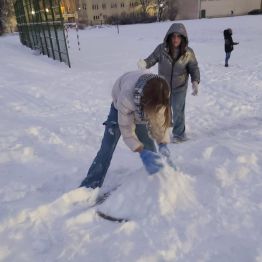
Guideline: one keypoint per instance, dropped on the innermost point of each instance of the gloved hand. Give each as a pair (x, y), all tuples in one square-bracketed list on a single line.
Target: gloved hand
[(164, 150), (141, 64), (152, 161), (195, 88)]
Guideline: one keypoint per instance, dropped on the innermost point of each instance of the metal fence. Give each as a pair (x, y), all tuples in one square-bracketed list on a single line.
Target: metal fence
[(41, 27)]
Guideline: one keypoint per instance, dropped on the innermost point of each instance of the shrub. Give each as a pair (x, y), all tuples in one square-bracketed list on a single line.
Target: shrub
[(125, 19)]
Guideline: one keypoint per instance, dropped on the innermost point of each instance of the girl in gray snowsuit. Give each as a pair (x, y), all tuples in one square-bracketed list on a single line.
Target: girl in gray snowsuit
[(176, 61)]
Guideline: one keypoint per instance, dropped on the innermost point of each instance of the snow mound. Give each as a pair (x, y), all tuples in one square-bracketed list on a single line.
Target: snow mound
[(143, 196)]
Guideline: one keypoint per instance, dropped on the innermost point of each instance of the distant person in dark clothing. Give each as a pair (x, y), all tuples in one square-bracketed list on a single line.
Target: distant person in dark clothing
[(229, 43)]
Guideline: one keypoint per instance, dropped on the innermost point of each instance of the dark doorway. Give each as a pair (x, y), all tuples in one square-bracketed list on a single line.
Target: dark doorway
[(203, 13)]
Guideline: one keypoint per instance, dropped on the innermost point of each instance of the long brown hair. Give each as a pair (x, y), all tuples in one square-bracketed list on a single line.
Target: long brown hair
[(156, 96), (182, 46)]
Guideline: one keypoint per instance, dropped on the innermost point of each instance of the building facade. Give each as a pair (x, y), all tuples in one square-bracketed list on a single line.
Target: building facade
[(187, 9), (217, 8), (94, 12), (192, 9), (68, 9)]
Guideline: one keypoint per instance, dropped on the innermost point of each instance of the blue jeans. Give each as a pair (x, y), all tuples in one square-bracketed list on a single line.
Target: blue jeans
[(97, 172), (178, 100), (227, 57)]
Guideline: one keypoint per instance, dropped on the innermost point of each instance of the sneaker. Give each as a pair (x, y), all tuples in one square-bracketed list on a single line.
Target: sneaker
[(226, 65), (178, 139)]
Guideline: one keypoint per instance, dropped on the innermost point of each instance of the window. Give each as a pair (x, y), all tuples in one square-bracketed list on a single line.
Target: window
[(104, 6), (122, 4)]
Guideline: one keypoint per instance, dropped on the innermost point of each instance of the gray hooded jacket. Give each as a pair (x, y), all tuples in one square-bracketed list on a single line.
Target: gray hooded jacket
[(176, 72)]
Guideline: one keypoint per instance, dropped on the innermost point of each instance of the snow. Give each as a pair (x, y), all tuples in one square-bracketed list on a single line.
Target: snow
[(210, 209)]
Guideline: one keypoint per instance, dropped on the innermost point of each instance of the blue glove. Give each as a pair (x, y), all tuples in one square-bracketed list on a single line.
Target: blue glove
[(152, 161), (164, 150)]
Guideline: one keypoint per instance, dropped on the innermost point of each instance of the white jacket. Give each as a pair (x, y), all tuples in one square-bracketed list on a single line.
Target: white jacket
[(123, 99)]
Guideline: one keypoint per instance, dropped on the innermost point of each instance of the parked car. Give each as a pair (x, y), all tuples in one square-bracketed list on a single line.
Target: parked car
[(255, 12)]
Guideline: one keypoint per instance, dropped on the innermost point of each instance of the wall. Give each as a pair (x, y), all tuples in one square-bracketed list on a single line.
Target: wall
[(187, 9), (216, 8)]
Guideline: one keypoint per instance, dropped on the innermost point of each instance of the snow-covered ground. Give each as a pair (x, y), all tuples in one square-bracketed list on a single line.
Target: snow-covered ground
[(210, 210)]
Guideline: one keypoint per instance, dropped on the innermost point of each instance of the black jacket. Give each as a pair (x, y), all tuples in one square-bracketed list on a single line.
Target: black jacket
[(229, 43)]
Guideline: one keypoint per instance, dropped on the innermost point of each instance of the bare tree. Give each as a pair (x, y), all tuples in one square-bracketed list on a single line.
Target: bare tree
[(1, 17), (144, 4), (161, 6), (7, 18), (170, 12)]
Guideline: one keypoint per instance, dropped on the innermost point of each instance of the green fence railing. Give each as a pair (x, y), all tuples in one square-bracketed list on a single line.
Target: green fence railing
[(41, 27)]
